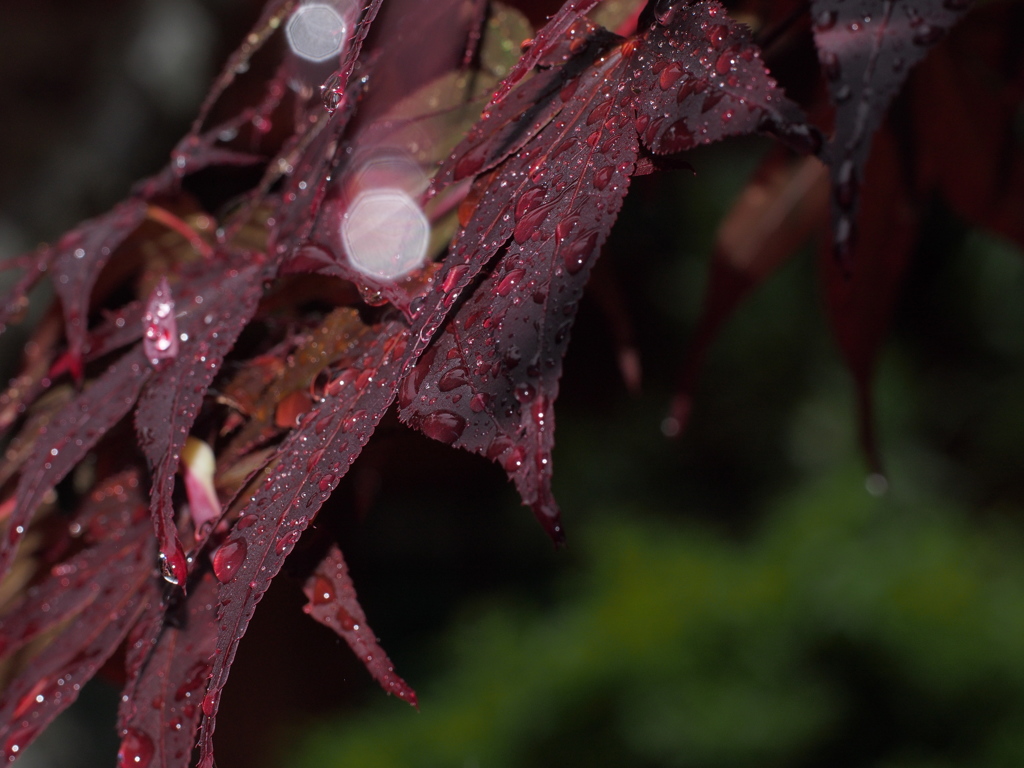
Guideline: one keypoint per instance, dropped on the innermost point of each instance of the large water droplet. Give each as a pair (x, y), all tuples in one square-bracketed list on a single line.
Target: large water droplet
[(228, 559), (602, 176), (136, 750), (578, 252), (670, 75), (531, 221), (174, 567), (444, 426), (323, 591), (509, 282), (724, 63), (453, 379), (287, 542), (529, 200), (332, 93)]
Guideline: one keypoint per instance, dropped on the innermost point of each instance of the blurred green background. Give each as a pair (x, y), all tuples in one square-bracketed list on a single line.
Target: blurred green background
[(734, 597)]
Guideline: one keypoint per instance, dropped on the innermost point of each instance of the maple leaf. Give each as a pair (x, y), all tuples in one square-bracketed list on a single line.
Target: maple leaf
[(562, 156)]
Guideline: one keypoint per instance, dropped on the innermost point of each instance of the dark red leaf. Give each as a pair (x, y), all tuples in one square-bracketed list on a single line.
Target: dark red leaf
[(311, 461), (95, 606), (170, 402), (69, 435), (333, 602), (490, 383), (866, 49), (306, 469), (548, 38), (168, 662), (970, 86), (860, 299), (76, 263)]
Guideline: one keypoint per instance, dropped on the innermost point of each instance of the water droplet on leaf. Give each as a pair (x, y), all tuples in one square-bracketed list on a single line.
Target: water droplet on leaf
[(136, 750), (228, 559)]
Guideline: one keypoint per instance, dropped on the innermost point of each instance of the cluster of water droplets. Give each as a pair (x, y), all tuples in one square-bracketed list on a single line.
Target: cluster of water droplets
[(160, 327)]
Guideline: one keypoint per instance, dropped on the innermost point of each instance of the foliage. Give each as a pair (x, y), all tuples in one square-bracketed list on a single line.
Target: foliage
[(223, 352)]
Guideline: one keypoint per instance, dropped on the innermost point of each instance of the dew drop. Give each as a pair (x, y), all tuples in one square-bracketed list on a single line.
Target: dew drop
[(531, 222), (724, 63), (579, 251), (209, 704), (670, 75), (136, 750), (346, 621), (323, 591), (525, 392), (444, 426), (602, 176), (479, 402), (332, 94), (509, 282), (173, 567), (515, 459), (287, 542), (452, 379), (227, 560), (527, 201)]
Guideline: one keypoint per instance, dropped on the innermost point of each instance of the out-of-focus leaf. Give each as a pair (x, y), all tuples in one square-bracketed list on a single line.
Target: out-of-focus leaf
[(784, 202), (866, 49), (860, 298)]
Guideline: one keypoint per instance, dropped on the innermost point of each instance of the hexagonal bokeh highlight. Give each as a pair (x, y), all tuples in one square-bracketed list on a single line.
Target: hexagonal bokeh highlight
[(385, 233), (316, 32)]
